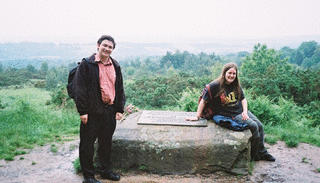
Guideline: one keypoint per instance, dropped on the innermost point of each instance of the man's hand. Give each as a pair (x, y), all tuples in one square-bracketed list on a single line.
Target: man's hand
[(119, 116), (84, 119)]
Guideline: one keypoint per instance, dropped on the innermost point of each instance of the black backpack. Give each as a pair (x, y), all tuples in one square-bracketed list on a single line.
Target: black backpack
[(72, 73)]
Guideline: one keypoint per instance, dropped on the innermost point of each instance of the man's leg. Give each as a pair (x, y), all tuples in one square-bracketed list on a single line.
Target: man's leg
[(105, 141), (87, 138), (105, 145)]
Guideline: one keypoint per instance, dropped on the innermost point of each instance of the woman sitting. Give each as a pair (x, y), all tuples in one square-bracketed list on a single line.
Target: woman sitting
[(228, 101)]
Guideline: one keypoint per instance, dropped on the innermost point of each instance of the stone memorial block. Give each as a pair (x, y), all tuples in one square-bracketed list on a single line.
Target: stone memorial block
[(171, 118), (164, 149)]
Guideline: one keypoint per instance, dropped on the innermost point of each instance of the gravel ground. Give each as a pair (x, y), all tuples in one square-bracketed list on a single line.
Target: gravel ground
[(41, 165)]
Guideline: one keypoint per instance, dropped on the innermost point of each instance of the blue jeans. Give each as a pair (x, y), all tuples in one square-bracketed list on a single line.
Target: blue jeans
[(257, 139)]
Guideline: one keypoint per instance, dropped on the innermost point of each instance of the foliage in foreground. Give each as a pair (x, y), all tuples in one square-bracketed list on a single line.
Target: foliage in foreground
[(76, 165), (24, 124)]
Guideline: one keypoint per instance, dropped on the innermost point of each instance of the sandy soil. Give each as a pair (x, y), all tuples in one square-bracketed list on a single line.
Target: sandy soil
[(41, 165)]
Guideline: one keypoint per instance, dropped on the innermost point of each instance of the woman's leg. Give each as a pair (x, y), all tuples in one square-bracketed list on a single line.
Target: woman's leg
[(261, 150), (258, 151), (255, 131)]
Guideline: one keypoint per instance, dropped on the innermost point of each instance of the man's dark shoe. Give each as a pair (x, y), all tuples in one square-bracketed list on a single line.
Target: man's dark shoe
[(267, 157), (90, 180), (255, 158), (111, 176)]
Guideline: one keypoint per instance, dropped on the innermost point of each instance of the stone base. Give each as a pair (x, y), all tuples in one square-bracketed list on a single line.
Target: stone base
[(179, 150)]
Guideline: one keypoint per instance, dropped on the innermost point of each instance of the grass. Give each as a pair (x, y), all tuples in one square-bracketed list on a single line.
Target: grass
[(292, 134), (284, 120), (53, 148), (143, 168), (270, 139), (292, 140), (72, 147), (304, 160), (26, 121), (251, 167), (76, 165), (9, 157)]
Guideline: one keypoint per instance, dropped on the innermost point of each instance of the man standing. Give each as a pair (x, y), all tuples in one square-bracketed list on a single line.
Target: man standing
[(100, 99)]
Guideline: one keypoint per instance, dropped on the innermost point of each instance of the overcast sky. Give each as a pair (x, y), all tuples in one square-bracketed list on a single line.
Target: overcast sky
[(155, 20)]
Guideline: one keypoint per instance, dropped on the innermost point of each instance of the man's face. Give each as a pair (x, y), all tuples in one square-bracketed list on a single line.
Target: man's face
[(105, 48)]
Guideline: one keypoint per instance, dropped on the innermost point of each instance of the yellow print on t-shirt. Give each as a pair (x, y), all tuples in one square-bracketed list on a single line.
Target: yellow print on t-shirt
[(231, 98)]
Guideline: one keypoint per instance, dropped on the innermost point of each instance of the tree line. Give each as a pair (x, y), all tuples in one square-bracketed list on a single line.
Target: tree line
[(169, 81)]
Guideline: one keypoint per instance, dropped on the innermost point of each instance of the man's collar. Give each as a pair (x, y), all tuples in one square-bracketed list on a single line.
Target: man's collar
[(97, 60)]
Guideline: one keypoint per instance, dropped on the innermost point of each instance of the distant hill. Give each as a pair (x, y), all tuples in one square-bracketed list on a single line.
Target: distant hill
[(24, 53)]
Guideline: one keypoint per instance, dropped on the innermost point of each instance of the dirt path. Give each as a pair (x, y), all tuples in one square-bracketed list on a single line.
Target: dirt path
[(292, 165), (41, 165)]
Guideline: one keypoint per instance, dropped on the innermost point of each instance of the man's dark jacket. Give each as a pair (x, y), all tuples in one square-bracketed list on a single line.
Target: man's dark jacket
[(87, 88)]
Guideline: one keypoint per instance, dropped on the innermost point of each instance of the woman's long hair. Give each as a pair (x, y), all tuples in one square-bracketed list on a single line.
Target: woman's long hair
[(223, 83)]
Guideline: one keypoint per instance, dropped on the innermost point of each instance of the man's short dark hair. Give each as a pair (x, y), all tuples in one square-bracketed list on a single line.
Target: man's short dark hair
[(106, 37)]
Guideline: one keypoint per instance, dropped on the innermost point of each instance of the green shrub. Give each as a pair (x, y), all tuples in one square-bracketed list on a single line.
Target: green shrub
[(9, 158), (312, 112), (159, 92), (264, 109), (267, 73), (19, 152), (40, 84), (53, 148), (271, 140), (288, 111), (143, 167), (292, 140), (189, 100), (60, 98)]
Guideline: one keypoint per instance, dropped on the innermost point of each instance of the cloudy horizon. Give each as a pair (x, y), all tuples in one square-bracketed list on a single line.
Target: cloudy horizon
[(156, 21)]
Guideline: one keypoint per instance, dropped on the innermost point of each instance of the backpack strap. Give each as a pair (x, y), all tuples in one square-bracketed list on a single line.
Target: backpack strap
[(208, 88)]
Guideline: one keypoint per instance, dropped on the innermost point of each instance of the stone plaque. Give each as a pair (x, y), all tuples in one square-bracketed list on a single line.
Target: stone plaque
[(169, 118)]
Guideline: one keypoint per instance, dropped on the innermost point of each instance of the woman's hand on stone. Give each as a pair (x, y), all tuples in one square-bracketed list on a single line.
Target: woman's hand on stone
[(193, 118)]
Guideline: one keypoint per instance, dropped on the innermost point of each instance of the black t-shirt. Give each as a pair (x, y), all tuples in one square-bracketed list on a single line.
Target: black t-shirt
[(227, 104)]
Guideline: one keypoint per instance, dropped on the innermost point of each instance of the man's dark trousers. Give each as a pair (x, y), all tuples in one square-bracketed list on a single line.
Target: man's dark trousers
[(99, 126)]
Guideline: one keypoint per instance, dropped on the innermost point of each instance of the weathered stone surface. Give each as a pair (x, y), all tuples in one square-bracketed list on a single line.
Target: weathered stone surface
[(169, 118), (179, 149)]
